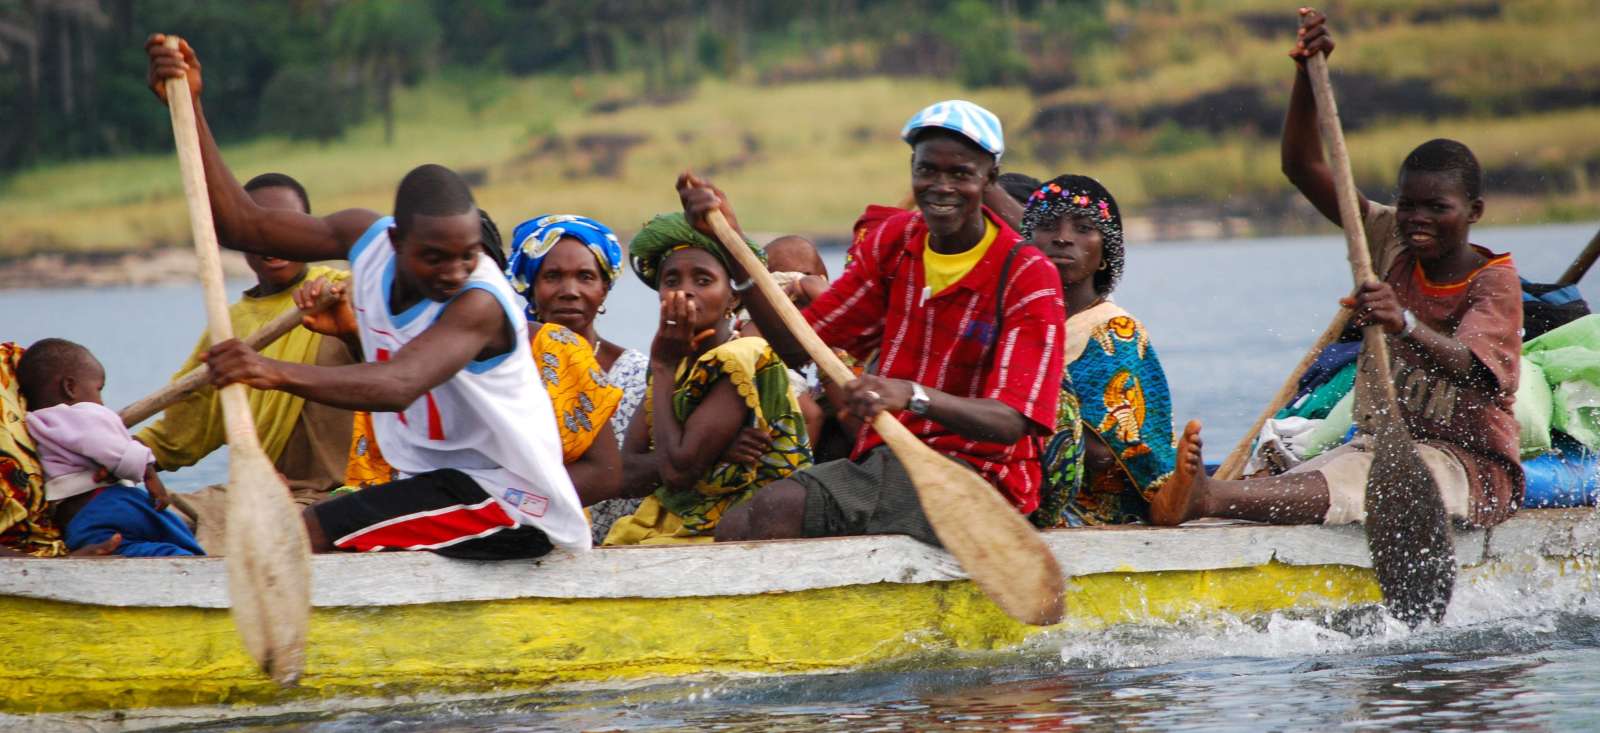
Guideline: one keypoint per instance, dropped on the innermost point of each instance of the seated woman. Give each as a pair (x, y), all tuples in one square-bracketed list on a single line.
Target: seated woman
[(583, 399), (720, 384), (1113, 446), (565, 265)]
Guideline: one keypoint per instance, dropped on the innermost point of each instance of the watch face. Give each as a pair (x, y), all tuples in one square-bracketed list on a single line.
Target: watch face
[(919, 399)]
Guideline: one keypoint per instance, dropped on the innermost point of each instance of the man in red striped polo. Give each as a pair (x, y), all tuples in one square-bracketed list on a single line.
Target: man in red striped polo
[(968, 326)]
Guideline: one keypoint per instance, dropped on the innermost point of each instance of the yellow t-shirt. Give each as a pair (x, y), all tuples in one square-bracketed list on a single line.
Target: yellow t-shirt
[(940, 271)]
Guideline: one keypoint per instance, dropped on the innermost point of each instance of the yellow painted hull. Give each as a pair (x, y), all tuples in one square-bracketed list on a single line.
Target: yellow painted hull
[(63, 656)]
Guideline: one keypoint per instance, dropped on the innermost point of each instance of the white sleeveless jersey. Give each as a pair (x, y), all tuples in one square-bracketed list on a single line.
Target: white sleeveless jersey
[(492, 421)]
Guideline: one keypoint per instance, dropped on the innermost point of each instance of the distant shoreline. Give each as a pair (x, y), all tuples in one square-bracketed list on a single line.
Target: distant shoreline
[(109, 269), (166, 265)]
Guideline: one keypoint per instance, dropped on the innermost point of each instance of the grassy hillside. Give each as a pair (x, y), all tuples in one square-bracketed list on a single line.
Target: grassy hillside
[(1177, 112)]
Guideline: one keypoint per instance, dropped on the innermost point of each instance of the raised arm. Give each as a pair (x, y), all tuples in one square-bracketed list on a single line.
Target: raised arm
[(687, 449), (241, 224), (473, 326), (699, 198), (1301, 150)]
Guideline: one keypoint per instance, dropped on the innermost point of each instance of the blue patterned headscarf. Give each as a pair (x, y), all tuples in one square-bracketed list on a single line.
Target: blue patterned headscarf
[(534, 238)]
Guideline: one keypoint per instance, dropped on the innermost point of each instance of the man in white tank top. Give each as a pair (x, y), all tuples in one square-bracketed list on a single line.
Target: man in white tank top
[(457, 404)]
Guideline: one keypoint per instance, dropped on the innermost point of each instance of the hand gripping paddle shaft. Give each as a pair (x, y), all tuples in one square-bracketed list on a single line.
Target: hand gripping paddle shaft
[(266, 550)]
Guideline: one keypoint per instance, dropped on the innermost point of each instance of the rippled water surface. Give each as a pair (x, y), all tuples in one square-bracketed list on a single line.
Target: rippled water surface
[(1229, 319), (1514, 654)]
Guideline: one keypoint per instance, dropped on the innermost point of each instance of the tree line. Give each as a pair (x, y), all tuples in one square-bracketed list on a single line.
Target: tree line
[(70, 85)]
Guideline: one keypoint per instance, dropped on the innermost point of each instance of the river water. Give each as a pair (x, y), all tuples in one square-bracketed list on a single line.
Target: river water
[(1229, 319)]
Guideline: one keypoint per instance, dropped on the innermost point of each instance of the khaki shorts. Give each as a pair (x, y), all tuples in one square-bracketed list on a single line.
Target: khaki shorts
[(1345, 468)]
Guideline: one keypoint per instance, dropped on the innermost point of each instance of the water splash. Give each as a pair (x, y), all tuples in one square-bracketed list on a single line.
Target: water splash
[(1519, 649)]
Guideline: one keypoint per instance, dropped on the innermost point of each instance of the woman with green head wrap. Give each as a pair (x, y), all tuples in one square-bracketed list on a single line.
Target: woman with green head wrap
[(719, 386)]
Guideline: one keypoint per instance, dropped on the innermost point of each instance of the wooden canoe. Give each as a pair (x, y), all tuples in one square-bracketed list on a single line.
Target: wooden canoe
[(117, 641)]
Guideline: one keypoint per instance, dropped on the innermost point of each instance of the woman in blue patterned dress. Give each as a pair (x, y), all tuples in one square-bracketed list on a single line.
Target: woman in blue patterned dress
[(1113, 446)]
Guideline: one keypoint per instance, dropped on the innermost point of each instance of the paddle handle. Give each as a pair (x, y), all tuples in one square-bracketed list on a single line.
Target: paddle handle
[(1375, 342), (1581, 265), (1332, 131), (826, 360), (200, 376), (1233, 466), (235, 402), (892, 431)]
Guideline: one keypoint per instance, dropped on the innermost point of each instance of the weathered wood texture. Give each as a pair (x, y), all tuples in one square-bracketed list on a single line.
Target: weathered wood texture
[(749, 568)]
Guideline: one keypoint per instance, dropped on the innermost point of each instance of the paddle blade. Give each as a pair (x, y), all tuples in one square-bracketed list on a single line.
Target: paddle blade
[(1408, 529), (997, 547), (269, 566)]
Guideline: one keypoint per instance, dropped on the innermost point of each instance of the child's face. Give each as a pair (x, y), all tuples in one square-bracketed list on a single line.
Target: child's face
[(1434, 214), (87, 384)]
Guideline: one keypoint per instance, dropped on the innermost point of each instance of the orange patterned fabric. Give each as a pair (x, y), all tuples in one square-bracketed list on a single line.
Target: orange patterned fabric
[(580, 393)]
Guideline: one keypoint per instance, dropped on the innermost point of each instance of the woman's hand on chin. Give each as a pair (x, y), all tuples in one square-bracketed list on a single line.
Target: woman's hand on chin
[(675, 336)]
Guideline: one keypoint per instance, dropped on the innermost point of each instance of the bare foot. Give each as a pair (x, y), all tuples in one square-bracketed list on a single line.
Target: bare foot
[(1177, 501)]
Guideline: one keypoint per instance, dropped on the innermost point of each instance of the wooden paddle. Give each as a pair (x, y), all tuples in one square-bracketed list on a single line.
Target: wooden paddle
[(1408, 531), (998, 548), (1233, 466), (200, 376), (268, 556), (1581, 265)]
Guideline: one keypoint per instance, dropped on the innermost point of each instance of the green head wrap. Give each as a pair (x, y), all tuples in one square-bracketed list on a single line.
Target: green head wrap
[(669, 232)]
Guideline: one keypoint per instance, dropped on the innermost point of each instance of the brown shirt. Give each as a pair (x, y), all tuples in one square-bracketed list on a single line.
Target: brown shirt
[(1471, 419)]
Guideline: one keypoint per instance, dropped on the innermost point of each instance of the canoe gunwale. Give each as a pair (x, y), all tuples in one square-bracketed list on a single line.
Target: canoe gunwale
[(752, 568)]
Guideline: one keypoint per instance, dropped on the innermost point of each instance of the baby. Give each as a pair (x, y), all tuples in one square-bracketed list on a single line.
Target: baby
[(91, 463), (799, 268)]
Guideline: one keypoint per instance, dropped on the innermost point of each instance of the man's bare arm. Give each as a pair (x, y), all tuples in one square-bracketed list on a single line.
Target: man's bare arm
[(473, 323), (241, 224)]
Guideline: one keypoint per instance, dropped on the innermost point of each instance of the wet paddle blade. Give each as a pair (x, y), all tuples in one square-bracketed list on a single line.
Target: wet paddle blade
[(1408, 528), (997, 547), (269, 566)]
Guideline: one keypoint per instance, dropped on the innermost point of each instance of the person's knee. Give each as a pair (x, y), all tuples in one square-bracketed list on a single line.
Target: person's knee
[(777, 511)]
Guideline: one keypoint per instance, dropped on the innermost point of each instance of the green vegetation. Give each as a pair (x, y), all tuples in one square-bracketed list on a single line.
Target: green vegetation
[(795, 108)]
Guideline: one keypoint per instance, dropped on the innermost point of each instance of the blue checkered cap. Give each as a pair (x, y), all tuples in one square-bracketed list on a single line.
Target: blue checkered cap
[(976, 123)]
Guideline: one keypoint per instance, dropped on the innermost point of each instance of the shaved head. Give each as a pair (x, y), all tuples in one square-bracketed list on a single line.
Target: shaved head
[(430, 190), (794, 253)]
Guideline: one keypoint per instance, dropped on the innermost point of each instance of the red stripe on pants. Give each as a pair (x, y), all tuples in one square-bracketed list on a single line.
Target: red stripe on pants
[(433, 528)]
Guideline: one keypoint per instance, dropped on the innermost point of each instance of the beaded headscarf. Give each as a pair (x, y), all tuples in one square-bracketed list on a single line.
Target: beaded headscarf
[(1072, 195)]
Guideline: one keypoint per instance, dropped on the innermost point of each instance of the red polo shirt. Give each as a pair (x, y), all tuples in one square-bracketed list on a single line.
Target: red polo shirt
[(948, 341)]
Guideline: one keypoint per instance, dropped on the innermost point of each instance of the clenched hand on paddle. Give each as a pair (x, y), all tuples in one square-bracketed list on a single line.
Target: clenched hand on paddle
[(1407, 528), (267, 553), (997, 547)]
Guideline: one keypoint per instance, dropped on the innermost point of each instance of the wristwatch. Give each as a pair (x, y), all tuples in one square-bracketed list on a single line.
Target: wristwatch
[(1411, 322), (919, 400)]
